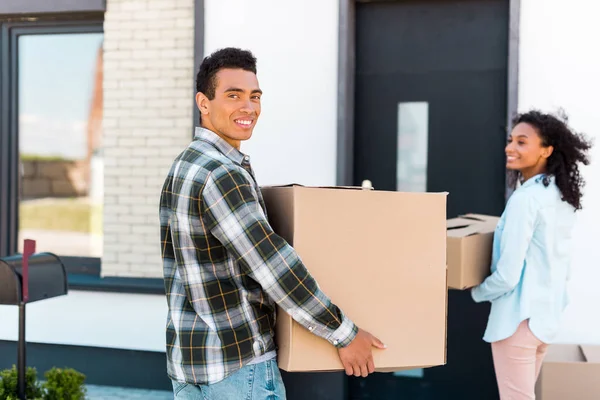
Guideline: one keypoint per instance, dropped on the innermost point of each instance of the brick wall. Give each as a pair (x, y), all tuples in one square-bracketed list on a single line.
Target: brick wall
[(148, 82)]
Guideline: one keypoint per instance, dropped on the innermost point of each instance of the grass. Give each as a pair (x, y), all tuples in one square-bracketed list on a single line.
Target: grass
[(36, 157), (69, 215)]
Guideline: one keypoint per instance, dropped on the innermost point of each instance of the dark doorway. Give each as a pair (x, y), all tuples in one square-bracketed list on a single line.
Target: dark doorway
[(451, 58), (430, 115)]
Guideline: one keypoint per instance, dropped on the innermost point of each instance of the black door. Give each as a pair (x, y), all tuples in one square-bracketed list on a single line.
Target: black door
[(430, 112)]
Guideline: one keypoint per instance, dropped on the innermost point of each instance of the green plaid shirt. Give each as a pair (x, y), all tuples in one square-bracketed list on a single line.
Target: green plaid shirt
[(225, 269)]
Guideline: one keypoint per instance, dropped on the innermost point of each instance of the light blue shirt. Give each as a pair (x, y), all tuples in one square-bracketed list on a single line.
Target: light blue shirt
[(530, 263)]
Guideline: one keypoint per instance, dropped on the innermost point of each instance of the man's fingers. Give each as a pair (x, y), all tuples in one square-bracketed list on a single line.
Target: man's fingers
[(364, 370), (371, 365), (349, 370), (356, 369)]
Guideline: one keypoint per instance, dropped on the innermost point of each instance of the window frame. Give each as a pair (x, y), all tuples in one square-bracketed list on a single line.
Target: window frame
[(19, 17), (9, 134), (84, 272), (20, 7)]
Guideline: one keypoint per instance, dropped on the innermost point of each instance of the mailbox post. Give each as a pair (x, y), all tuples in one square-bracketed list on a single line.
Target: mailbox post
[(27, 278)]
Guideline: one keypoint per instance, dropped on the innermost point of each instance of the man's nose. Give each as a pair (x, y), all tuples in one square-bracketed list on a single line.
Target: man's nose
[(247, 107)]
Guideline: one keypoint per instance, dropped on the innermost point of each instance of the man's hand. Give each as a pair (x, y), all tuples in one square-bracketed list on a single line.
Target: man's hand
[(357, 357)]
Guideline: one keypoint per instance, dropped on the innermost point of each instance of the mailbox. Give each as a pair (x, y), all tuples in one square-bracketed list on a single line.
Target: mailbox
[(47, 278), (26, 278)]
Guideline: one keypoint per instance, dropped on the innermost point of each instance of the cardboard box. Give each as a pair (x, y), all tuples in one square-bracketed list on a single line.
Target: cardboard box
[(381, 257), (469, 249), (570, 372)]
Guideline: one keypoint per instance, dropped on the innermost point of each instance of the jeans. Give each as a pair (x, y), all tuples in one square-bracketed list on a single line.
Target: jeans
[(253, 382)]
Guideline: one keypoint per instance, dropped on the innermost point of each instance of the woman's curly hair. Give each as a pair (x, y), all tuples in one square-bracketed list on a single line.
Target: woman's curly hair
[(570, 149)]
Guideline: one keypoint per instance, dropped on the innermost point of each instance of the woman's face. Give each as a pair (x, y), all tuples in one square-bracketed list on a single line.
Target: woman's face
[(525, 151)]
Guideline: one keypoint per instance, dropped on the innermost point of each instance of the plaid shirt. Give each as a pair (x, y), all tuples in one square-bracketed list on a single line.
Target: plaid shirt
[(225, 269)]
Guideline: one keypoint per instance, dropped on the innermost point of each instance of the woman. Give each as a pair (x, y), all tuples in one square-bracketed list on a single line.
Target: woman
[(531, 253)]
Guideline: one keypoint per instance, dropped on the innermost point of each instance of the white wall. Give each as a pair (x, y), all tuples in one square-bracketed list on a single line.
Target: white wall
[(113, 320), (559, 65), (296, 44)]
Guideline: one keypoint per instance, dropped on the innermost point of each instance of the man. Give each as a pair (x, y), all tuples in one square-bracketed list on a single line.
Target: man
[(225, 269)]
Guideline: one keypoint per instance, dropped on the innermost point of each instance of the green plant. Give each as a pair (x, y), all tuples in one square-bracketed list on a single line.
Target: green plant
[(8, 384), (60, 384), (64, 384)]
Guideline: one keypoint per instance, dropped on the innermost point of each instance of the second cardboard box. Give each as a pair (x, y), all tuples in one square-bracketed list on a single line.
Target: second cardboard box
[(470, 240)]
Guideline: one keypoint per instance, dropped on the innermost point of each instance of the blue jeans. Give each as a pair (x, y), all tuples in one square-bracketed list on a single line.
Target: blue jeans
[(253, 382)]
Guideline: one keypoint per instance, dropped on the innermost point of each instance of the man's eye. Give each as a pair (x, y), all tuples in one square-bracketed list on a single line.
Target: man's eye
[(233, 96), (256, 97)]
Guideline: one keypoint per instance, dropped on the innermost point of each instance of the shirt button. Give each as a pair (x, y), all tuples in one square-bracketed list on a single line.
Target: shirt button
[(335, 342), (311, 328), (247, 158)]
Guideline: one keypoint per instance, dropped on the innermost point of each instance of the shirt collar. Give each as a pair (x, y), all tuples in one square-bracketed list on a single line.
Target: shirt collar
[(220, 144), (535, 179)]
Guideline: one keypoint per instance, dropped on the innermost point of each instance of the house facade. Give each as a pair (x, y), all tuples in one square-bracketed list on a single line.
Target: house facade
[(97, 98)]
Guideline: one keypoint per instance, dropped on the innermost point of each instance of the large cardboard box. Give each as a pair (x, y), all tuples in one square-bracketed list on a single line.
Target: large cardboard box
[(469, 249), (381, 257), (570, 372)]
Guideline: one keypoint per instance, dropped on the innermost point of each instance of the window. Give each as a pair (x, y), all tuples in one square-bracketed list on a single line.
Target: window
[(50, 138), (413, 134), (411, 173), (59, 128)]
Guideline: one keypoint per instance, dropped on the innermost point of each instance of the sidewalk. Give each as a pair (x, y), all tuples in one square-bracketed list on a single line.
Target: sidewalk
[(95, 392)]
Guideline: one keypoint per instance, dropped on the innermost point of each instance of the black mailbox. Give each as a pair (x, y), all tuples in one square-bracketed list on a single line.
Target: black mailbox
[(26, 278), (47, 279)]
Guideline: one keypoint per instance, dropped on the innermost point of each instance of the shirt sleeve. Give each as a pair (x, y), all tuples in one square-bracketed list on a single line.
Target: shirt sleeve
[(234, 216), (519, 225)]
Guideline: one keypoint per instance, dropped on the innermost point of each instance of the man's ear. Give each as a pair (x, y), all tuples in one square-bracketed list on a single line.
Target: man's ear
[(203, 103)]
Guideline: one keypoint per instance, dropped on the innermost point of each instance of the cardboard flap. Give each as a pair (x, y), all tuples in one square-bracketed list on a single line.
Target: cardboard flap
[(462, 227), (458, 223), (470, 224), (591, 353), (488, 219)]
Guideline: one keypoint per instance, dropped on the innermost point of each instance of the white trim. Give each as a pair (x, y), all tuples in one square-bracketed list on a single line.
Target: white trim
[(112, 320)]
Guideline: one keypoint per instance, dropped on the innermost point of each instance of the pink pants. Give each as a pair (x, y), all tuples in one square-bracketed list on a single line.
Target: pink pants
[(517, 361)]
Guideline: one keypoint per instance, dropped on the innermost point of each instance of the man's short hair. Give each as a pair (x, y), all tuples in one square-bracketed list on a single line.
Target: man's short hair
[(230, 58)]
